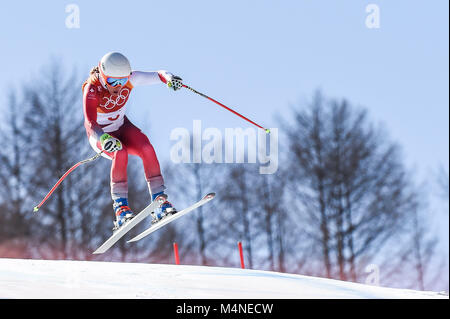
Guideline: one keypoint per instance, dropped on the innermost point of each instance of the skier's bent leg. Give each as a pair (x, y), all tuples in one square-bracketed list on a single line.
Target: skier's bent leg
[(155, 180), (119, 187), (152, 169), (139, 144), (118, 183), (119, 178)]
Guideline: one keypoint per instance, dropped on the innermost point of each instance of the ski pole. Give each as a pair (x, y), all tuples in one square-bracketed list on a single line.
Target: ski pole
[(36, 208), (226, 107)]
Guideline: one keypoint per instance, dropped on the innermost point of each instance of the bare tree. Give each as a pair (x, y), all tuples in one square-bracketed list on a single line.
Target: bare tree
[(271, 219), (45, 135), (257, 215), (308, 181), (351, 186), (14, 220), (442, 181), (423, 248), (187, 183), (237, 194), (56, 141)]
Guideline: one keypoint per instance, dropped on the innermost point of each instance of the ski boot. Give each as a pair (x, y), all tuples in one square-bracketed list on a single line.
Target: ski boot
[(123, 212), (166, 209)]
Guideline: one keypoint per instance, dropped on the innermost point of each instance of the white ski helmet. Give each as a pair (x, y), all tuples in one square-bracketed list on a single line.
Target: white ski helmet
[(115, 64)]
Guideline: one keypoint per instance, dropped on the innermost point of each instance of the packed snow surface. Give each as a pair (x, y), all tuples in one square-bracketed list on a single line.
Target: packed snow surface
[(30, 279)]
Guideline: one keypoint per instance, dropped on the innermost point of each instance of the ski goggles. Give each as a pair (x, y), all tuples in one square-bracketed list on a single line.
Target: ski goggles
[(113, 82)]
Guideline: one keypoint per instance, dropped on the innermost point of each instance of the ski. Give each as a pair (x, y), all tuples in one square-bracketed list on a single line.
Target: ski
[(128, 225), (164, 221)]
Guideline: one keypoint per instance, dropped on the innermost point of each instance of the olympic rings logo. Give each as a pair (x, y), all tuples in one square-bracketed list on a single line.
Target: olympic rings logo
[(118, 101)]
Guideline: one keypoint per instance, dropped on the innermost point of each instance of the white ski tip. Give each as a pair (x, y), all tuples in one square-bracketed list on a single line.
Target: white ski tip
[(209, 196), (171, 218)]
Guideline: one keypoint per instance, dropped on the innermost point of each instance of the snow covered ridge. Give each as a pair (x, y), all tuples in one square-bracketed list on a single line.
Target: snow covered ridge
[(61, 279)]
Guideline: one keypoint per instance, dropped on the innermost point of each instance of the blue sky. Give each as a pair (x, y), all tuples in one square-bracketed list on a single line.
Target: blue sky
[(259, 57), (256, 56)]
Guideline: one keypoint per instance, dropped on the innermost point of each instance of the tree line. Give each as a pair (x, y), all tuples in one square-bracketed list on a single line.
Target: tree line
[(342, 198)]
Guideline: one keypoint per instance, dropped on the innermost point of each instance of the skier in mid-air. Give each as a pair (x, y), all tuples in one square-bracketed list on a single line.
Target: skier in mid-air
[(105, 94)]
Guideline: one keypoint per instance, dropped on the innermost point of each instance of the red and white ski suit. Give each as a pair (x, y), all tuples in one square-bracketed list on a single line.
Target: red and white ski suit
[(105, 113)]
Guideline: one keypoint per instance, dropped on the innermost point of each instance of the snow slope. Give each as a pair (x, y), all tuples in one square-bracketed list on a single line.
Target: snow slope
[(30, 279)]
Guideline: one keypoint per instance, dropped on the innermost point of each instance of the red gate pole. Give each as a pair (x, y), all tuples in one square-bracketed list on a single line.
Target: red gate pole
[(175, 252), (241, 254)]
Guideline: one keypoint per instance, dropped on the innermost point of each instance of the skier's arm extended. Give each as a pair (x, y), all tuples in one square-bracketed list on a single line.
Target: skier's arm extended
[(155, 77), (90, 103)]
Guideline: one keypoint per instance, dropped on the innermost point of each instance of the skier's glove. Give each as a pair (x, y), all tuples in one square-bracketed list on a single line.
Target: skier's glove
[(109, 143), (174, 82)]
